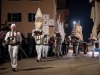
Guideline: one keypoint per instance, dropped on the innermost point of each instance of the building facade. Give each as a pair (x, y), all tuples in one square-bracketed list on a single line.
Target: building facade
[(95, 10), (64, 14), (0, 13), (22, 13), (63, 10)]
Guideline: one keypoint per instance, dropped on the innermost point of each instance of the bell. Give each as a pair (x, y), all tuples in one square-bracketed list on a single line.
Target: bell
[(12, 38)]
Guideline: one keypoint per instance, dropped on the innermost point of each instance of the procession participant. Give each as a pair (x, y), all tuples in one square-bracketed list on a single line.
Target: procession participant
[(58, 44), (13, 39), (76, 45), (39, 43), (45, 45), (77, 33), (91, 47), (37, 33), (92, 41), (73, 43)]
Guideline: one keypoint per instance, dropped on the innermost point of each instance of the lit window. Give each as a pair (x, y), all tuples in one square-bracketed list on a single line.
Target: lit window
[(31, 17), (14, 17)]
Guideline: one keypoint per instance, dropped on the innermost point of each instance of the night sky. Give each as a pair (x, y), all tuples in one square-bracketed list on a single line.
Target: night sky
[(81, 10)]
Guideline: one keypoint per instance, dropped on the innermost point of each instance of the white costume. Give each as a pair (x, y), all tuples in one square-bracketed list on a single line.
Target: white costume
[(45, 46), (78, 30), (92, 43), (39, 45), (38, 38), (12, 46), (58, 45)]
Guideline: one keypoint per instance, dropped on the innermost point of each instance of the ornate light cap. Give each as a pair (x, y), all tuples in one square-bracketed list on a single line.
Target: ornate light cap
[(38, 13)]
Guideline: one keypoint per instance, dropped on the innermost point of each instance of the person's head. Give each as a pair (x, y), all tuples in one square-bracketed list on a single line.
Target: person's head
[(38, 32), (58, 35), (45, 35), (13, 27)]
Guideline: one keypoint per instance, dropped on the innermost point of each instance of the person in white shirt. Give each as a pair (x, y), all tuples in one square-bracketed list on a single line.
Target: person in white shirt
[(45, 46), (92, 43), (13, 39), (39, 43)]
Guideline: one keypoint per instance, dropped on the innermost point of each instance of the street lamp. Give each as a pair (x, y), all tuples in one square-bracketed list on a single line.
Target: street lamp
[(74, 22)]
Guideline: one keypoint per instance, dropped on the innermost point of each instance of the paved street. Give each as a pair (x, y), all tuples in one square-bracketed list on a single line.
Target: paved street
[(66, 65)]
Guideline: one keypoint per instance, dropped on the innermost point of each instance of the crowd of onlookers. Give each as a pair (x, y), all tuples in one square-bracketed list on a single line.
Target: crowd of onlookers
[(28, 46)]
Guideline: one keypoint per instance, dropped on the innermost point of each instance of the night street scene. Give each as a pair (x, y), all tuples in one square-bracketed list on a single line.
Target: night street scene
[(50, 37)]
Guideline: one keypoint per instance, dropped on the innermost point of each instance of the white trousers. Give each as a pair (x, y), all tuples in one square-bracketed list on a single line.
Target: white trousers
[(91, 48), (58, 50), (13, 51), (76, 48), (45, 51), (39, 51)]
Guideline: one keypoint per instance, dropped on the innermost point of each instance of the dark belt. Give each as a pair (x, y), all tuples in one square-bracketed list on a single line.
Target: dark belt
[(58, 44), (45, 44), (38, 44), (13, 44)]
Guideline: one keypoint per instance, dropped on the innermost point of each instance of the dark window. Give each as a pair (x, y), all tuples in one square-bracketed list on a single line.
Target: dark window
[(31, 17), (14, 0), (34, 0), (14, 17)]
